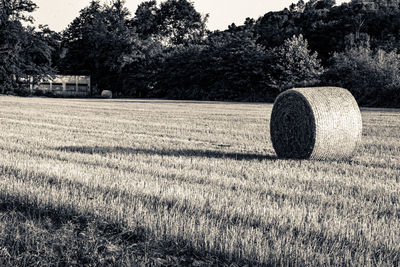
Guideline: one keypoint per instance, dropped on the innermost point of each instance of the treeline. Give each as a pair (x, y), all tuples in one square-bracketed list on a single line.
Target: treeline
[(23, 50), (164, 50)]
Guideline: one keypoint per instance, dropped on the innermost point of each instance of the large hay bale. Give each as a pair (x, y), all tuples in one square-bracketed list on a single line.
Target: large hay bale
[(316, 123), (106, 94)]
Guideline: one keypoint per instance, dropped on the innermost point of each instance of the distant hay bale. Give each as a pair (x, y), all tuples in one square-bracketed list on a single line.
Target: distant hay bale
[(106, 94), (316, 123)]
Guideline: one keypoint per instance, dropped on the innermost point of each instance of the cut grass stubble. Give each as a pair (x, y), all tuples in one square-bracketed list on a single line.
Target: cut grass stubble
[(164, 182)]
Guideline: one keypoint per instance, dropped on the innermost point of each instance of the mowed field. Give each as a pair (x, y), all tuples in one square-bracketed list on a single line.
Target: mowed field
[(128, 182)]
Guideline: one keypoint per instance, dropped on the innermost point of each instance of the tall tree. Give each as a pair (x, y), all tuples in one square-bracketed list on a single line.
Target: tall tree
[(275, 27), (15, 10), (181, 23), (99, 43), (36, 56), (23, 51), (145, 19), (174, 22), (293, 64)]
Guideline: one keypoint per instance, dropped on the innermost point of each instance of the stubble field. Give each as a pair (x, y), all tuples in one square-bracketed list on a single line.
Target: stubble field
[(128, 182)]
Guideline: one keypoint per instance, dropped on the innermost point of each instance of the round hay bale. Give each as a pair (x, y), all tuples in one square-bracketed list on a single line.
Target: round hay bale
[(106, 94), (316, 123)]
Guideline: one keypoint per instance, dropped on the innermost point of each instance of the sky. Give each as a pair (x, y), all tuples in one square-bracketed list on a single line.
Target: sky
[(57, 14)]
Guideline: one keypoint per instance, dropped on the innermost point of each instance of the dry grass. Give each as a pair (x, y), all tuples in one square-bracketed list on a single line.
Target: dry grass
[(130, 182)]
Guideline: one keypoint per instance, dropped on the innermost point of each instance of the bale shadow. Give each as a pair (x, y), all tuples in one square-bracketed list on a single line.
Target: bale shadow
[(102, 150), (381, 110), (375, 165)]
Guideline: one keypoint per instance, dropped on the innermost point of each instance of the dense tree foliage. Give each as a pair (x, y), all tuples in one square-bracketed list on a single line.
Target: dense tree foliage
[(325, 24), (100, 42), (294, 65), (24, 51), (165, 50), (372, 77), (146, 19), (174, 21), (229, 66), (219, 69)]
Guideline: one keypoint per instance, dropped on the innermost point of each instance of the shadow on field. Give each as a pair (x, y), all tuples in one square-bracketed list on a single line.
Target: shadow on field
[(71, 234), (104, 150), (68, 235), (170, 152), (375, 165), (69, 238)]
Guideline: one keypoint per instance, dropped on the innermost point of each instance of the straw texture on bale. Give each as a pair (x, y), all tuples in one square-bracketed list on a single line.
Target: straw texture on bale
[(106, 94), (316, 123)]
